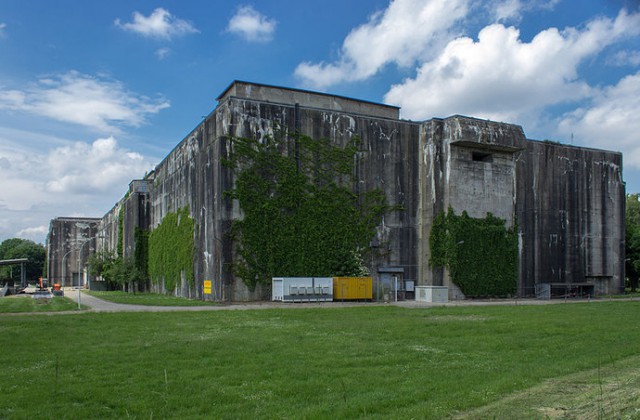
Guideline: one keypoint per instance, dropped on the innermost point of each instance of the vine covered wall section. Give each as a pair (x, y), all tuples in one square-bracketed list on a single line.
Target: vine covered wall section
[(481, 254), (171, 250)]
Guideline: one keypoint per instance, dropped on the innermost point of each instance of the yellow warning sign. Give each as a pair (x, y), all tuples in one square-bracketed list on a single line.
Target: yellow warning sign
[(207, 287)]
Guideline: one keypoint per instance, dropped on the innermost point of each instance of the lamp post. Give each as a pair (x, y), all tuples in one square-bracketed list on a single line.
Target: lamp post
[(64, 266), (79, 260)]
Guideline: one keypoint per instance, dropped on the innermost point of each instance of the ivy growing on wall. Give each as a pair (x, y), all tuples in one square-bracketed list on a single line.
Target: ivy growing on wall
[(120, 244), (481, 254), (171, 249), (141, 251), (301, 217)]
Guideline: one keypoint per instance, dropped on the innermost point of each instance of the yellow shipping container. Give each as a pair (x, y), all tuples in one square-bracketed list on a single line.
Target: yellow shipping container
[(352, 288)]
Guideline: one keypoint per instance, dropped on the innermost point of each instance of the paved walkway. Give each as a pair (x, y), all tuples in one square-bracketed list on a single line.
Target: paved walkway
[(100, 305)]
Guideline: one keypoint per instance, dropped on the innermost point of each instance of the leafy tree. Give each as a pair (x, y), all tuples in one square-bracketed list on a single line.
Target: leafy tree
[(124, 272), (99, 264), (117, 271), (301, 216), (632, 241), (22, 248)]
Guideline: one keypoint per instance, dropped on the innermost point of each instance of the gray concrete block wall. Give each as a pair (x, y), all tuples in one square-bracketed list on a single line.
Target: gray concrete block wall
[(467, 165), (570, 216)]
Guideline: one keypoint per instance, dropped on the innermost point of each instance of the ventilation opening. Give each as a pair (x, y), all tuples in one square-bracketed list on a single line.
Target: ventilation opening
[(481, 157)]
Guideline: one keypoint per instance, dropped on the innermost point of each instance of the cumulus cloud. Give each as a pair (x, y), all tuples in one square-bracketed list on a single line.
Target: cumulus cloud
[(95, 102), (33, 233), (500, 77), (408, 30), (92, 168), (74, 179), (252, 25), (159, 24), (611, 116)]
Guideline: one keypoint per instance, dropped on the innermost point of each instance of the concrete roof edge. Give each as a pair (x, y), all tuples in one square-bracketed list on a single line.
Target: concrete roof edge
[(313, 92)]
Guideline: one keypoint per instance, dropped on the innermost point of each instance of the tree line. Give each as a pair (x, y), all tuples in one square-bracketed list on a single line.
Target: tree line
[(15, 248)]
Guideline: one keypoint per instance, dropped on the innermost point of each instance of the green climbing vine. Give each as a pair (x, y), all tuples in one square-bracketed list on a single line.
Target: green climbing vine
[(301, 217), (481, 254), (171, 249), (141, 251), (120, 245)]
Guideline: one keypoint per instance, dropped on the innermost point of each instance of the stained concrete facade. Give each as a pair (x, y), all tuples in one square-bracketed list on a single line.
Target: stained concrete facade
[(566, 202), (70, 242)]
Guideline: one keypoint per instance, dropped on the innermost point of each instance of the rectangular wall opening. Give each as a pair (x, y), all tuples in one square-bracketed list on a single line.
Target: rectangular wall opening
[(481, 157)]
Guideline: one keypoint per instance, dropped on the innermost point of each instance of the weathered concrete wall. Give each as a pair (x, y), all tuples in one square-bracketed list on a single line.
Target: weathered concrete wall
[(193, 176), (567, 202), (570, 217), (288, 96), (481, 166), (70, 241), (136, 215), (467, 165), (108, 230)]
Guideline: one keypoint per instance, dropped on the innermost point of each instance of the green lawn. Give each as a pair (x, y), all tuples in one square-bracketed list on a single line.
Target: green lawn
[(366, 361), (25, 303), (152, 299)]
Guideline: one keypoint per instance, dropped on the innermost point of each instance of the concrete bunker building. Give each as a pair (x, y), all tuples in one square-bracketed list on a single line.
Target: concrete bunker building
[(567, 203)]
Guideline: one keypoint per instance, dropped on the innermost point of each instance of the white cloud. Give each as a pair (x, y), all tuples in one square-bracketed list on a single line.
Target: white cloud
[(73, 97), (252, 25), (610, 118), (81, 179), (3, 26), (408, 30), (162, 53), (512, 10), (503, 78), (625, 58), (507, 10), (34, 233), (159, 24), (93, 168)]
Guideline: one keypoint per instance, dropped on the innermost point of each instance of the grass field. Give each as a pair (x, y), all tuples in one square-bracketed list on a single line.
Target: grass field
[(25, 303), (577, 360), (151, 299)]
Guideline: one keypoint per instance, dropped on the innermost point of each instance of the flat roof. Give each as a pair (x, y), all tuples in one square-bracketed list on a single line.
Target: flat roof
[(14, 261), (307, 98), (82, 219)]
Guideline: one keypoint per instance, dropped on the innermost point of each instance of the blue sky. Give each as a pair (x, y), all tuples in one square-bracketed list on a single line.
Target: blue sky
[(94, 93)]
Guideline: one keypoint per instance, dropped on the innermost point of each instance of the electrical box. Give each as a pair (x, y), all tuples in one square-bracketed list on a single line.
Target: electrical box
[(433, 294)]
